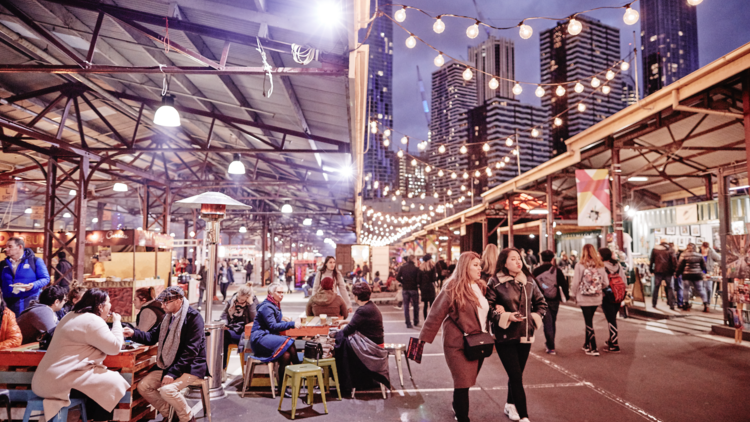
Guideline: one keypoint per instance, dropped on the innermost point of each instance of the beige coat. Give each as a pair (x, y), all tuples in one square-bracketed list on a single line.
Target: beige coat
[(75, 360)]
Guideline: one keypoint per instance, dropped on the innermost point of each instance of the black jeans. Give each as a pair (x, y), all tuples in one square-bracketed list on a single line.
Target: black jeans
[(461, 404), (514, 356), (223, 287), (427, 304), (610, 312), (550, 323), (588, 318), (411, 297)]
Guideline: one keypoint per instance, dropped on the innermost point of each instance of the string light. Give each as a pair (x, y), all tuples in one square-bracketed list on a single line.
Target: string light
[(439, 60), (517, 89), (473, 30), (375, 184), (509, 142), (515, 151), (463, 149), (624, 66), (498, 165), (400, 153), (539, 91), (477, 173), (414, 162), (440, 173), (560, 91), (486, 147), (387, 133), (463, 188), (438, 26), (489, 172), (441, 149), (595, 82), (578, 88), (467, 74), (450, 192), (494, 83), (606, 89), (386, 142), (422, 195), (631, 16), (405, 140), (427, 169), (525, 31), (610, 75), (400, 14), (534, 133), (466, 175), (574, 27), (694, 2), (558, 121), (411, 42), (581, 107), (453, 175)]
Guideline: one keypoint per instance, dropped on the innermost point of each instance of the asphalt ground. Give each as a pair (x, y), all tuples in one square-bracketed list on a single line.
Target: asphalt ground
[(660, 375)]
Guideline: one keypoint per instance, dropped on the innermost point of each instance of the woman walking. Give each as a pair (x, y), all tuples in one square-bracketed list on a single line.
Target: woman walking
[(427, 278), (328, 269), (460, 308), (489, 261), (518, 307), (691, 267), (613, 268), (589, 280)]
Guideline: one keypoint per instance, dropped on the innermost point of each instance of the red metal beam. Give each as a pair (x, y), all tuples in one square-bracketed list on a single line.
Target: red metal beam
[(94, 39), (173, 70), (231, 150)]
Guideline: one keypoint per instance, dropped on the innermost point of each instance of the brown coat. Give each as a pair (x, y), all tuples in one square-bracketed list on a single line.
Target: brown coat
[(327, 302), (10, 333), (444, 312)]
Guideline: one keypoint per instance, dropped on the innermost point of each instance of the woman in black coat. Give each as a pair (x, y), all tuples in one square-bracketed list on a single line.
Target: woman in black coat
[(427, 278)]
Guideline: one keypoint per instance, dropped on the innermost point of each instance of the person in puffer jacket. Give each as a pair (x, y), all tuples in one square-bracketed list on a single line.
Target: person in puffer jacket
[(24, 270), (691, 267), (517, 307)]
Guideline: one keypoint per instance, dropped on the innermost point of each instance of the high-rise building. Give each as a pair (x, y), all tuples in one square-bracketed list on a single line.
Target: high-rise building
[(411, 179), (379, 161), (452, 98), (496, 56), (669, 42), (575, 58)]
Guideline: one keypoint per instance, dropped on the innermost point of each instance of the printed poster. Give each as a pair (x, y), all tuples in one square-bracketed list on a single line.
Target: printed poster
[(593, 198)]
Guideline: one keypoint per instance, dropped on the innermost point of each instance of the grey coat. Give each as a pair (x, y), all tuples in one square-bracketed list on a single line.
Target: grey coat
[(587, 300)]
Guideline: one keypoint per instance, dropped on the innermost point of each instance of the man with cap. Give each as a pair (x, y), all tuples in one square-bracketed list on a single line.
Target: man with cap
[(181, 358)]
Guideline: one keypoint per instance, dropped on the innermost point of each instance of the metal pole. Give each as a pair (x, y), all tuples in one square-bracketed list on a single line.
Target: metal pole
[(550, 216), (212, 238), (725, 221), (518, 153), (264, 254), (510, 221), (472, 191), (617, 197)]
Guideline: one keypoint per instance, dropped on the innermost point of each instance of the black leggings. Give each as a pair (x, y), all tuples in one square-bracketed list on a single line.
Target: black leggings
[(427, 304), (288, 358), (588, 318), (514, 357), (610, 312), (223, 287), (461, 404)]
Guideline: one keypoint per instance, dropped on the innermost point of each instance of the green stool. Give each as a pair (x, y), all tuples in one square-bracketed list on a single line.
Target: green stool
[(297, 373), (328, 365)]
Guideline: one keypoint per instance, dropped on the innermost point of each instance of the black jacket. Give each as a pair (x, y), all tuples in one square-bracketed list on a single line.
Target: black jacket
[(368, 320), (427, 281), (663, 260), (64, 273), (691, 266), (562, 281), (439, 267), (515, 296), (237, 323), (191, 354), (408, 275)]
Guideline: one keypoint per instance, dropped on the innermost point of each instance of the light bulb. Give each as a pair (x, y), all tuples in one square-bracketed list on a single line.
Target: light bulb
[(486, 147), (581, 107), (473, 31), (515, 151), (405, 140), (411, 42), (631, 16), (374, 128), (376, 184), (236, 167), (574, 27), (494, 84), (441, 149), (610, 75), (454, 175), (509, 142), (120, 187), (539, 91), (440, 173), (414, 162), (624, 66), (439, 60), (463, 188), (386, 142), (525, 31), (498, 165), (517, 89), (387, 133), (468, 74), (400, 15), (606, 89), (463, 149), (393, 198), (694, 2), (507, 159), (466, 175), (427, 169), (558, 121), (534, 133), (166, 115), (400, 153), (595, 82), (434, 195), (560, 90), (422, 145), (477, 173), (578, 88), (450, 192), (243, 229), (502, 164), (28, 211), (438, 26)]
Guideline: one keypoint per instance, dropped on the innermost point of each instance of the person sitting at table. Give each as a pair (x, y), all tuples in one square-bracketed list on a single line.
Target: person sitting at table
[(363, 362), (10, 334), (150, 312), (74, 295), (328, 269), (181, 359), (326, 302), (73, 364), (239, 311), (265, 341), (40, 317)]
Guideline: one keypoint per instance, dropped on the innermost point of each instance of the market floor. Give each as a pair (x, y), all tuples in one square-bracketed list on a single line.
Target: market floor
[(658, 377)]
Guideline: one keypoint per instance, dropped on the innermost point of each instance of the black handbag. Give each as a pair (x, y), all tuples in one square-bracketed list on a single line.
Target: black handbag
[(477, 346), (313, 350)]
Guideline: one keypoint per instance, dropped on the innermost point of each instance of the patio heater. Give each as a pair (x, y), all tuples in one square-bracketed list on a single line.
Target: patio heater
[(213, 207)]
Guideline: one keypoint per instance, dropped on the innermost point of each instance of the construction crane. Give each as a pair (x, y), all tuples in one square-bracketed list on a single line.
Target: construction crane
[(481, 17), (425, 106)]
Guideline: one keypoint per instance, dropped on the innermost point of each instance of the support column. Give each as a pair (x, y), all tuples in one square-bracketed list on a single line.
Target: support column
[(484, 233), (510, 221), (195, 230), (79, 228), (746, 114), (50, 211), (449, 246), (100, 215), (264, 254), (550, 216), (708, 180), (617, 197), (186, 235), (725, 221), (273, 256)]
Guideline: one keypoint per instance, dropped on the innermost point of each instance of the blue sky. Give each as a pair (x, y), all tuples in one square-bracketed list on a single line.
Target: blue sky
[(723, 25)]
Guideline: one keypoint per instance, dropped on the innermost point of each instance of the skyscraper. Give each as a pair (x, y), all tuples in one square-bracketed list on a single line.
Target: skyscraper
[(379, 161), (452, 98), (669, 42), (575, 58), (496, 56)]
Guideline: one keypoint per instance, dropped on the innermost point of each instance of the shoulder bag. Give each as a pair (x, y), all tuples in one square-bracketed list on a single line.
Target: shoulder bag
[(313, 350), (478, 345)]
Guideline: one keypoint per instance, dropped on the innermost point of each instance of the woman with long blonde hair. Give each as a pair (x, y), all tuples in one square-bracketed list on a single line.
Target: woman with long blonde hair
[(489, 261), (460, 308), (589, 280)]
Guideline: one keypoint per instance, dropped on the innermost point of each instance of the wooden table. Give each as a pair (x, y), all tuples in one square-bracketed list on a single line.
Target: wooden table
[(17, 368)]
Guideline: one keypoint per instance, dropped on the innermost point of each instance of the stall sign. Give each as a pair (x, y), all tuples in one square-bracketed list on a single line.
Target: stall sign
[(105, 254), (109, 237), (8, 193), (154, 240), (593, 197), (31, 239), (37, 213), (686, 214)]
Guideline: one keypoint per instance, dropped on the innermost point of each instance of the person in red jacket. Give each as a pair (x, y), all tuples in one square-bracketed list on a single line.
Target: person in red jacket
[(10, 333)]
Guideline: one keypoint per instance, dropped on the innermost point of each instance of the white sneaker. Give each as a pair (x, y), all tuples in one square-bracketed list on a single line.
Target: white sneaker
[(525, 420), (510, 410)]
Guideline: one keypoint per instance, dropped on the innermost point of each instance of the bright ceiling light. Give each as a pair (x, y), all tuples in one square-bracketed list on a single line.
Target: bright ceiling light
[(192, 233), (638, 179), (94, 220), (287, 209), (120, 187), (329, 12), (72, 192), (307, 222), (538, 211), (28, 211), (66, 215), (167, 115), (319, 233), (236, 167)]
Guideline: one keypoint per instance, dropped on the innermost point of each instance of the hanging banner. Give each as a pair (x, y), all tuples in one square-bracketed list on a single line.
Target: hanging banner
[(593, 198), (431, 246), (37, 213)]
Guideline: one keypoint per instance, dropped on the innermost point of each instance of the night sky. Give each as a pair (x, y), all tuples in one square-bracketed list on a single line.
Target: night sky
[(723, 25)]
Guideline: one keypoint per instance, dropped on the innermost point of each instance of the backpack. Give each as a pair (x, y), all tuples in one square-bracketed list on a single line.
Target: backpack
[(591, 282), (617, 287), (32, 264), (548, 283)]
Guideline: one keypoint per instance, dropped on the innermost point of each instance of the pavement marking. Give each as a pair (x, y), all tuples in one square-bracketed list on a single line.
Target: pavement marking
[(404, 391), (619, 400)]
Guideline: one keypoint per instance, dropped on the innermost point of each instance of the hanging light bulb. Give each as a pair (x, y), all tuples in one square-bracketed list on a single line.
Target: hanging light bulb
[(398, 191), (400, 15), (414, 162), (467, 74), (488, 171), (534, 133), (525, 31), (28, 211), (434, 195), (694, 2), (72, 193), (631, 16), (286, 209), (578, 88), (486, 147), (427, 169), (574, 27), (624, 66), (595, 82), (236, 167), (243, 229), (386, 142), (610, 75), (454, 175), (466, 175), (494, 83), (506, 159), (393, 198), (441, 149), (558, 121), (509, 142), (463, 149), (422, 145), (560, 90), (438, 26), (405, 140), (403, 202), (539, 91), (440, 173), (477, 173), (387, 133), (400, 153), (606, 89), (449, 193), (463, 188), (120, 187), (439, 60), (515, 151), (498, 165), (473, 30), (517, 89), (376, 184), (167, 115), (581, 107), (411, 42), (374, 129)]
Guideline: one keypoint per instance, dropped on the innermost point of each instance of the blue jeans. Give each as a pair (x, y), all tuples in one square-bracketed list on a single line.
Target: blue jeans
[(306, 288), (678, 290), (411, 297), (698, 287), (550, 323), (669, 289)]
